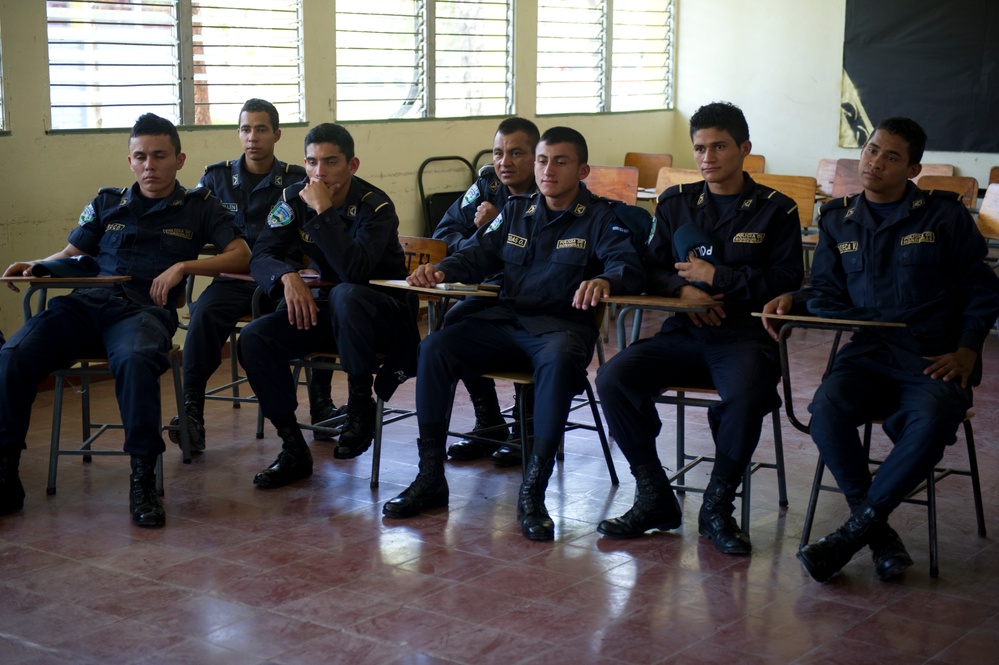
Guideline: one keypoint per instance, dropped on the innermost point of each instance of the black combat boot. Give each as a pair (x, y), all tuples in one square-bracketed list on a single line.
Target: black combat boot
[(294, 462), (655, 506), (321, 406), (509, 454), (887, 549), (535, 522), (143, 499), (194, 408), (11, 490), (429, 490), (487, 417), (359, 430), (715, 520), (825, 558)]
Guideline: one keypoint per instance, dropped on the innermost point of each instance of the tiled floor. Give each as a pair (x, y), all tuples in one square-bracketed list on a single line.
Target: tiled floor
[(314, 574)]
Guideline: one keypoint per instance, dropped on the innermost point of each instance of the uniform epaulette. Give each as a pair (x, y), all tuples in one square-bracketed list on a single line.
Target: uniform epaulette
[(375, 199), (291, 192), (786, 203), (837, 203), (297, 169), (676, 190), (119, 191), (218, 165), (199, 192), (943, 194), (487, 170)]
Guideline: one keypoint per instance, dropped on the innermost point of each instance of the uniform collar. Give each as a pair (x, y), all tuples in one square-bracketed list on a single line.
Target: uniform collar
[(914, 199), (274, 177), (584, 199), (132, 197), (747, 197)]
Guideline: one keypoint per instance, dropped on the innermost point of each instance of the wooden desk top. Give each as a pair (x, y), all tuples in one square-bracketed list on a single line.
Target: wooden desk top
[(442, 293), (663, 303), (819, 321), (68, 282)]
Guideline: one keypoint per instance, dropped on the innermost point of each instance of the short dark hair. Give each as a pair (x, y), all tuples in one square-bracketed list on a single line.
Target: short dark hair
[(721, 115), (255, 105), (329, 132), (568, 135), (515, 124), (910, 131), (150, 124)]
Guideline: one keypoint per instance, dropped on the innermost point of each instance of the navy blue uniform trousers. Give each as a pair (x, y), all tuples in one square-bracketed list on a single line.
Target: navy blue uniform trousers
[(356, 322), (744, 371), (921, 416), (214, 316), (475, 346), (136, 339)]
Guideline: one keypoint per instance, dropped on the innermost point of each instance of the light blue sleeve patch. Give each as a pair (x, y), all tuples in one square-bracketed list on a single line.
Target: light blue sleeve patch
[(280, 215), (88, 215), (619, 230), (471, 195), (495, 224)]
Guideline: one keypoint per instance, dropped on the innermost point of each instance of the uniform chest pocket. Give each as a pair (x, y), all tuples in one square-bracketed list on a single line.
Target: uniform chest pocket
[(113, 240), (920, 275), (852, 262), (177, 245), (514, 254), (569, 256)]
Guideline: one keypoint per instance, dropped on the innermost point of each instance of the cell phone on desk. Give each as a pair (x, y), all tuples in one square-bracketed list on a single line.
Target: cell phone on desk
[(456, 286)]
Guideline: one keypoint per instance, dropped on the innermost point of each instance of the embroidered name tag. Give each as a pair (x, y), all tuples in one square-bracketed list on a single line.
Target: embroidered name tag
[(516, 240), (117, 226), (845, 247), (571, 243), (750, 238), (305, 237), (186, 234), (913, 238)]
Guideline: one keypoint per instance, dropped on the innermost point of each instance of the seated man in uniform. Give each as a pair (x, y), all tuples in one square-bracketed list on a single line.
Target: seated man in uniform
[(350, 231), (729, 239), (560, 251), (893, 253), (249, 187), (511, 174), (152, 232)]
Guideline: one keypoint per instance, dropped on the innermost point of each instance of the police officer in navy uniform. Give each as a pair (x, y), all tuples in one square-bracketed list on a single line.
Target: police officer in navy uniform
[(738, 242), (249, 187), (893, 253), (560, 251), (511, 174), (152, 232), (350, 231)]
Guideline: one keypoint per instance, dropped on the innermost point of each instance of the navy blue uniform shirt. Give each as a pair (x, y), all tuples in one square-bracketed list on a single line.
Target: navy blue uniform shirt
[(129, 241), (924, 266), (458, 223), (544, 256), (352, 244), (250, 207), (757, 248)]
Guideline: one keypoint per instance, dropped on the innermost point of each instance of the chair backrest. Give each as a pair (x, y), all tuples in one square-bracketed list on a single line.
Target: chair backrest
[(614, 182), (801, 188), (824, 176), (668, 176), (934, 169), (988, 214), (754, 163), (648, 165), (966, 186), (994, 175), (846, 180), (422, 250)]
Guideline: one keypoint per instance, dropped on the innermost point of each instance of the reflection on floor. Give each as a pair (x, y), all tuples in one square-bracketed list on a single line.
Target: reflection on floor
[(314, 574)]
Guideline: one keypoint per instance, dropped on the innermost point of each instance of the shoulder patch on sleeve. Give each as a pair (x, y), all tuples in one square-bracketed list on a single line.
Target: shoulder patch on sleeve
[(495, 224), (471, 195), (87, 216), (280, 215), (218, 165)]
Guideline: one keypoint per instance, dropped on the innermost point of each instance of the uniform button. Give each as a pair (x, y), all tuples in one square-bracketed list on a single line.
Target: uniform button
[(316, 225)]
